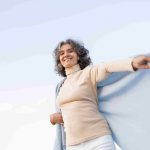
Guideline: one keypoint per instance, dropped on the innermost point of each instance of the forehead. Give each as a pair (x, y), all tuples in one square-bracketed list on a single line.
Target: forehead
[(65, 47)]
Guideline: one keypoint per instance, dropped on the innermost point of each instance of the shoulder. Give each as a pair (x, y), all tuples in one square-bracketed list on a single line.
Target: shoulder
[(59, 84), (94, 67)]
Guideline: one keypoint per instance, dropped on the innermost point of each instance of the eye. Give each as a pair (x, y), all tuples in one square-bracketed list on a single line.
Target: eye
[(60, 53), (71, 50)]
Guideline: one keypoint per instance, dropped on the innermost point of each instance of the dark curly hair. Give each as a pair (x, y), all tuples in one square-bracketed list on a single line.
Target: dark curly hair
[(82, 52)]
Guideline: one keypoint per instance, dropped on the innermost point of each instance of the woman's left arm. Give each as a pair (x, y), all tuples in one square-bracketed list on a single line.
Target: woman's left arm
[(141, 62)]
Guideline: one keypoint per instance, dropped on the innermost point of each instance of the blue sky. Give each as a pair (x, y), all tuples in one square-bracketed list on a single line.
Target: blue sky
[(30, 30)]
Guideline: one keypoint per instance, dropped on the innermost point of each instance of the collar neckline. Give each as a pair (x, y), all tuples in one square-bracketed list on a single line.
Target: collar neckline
[(72, 69)]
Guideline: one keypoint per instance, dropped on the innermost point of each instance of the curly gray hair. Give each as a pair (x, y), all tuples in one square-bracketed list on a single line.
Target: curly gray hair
[(82, 52)]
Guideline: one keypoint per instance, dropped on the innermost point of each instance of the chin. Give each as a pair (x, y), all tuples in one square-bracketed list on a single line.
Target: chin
[(68, 65)]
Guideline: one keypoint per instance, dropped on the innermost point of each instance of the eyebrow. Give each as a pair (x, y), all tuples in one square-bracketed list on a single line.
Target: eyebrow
[(60, 50)]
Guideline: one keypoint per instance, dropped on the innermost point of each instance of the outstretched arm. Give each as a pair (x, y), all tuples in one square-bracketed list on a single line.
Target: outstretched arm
[(141, 62)]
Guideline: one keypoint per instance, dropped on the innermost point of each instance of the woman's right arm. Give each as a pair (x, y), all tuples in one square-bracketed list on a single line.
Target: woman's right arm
[(56, 118)]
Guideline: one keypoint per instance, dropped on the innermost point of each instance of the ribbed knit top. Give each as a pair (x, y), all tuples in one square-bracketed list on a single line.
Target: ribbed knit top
[(78, 100)]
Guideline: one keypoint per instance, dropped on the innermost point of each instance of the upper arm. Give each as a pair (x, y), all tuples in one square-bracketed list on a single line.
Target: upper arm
[(98, 72), (101, 71)]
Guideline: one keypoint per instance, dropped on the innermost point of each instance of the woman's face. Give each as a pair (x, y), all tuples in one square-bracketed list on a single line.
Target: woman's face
[(68, 56)]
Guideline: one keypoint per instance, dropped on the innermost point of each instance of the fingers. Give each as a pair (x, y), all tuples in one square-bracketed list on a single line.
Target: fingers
[(59, 119), (147, 58), (56, 118), (147, 61), (142, 62), (52, 119), (145, 66)]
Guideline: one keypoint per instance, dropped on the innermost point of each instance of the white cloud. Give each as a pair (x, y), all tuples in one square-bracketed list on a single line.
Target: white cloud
[(4, 107), (25, 109), (34, 136)]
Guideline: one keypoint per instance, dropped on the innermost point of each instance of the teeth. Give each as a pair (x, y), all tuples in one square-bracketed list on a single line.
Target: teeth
[(67, 59)]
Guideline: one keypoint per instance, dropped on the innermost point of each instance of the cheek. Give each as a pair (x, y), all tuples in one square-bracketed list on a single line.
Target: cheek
[(60, 61), (60, 58), (77, 59)]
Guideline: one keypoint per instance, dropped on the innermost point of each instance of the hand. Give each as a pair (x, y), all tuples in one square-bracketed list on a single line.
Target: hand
[(141, 62), (56, 118)]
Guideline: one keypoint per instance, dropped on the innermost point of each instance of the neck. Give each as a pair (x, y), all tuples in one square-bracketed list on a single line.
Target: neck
[(72, 69)]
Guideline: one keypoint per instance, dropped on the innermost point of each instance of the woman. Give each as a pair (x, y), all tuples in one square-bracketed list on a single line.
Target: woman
[(84, 125)]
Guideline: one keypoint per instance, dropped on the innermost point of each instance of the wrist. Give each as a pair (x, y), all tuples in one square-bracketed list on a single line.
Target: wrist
[(133, 66)]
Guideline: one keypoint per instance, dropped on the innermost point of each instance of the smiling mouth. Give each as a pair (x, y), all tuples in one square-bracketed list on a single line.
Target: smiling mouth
[(66, 60)]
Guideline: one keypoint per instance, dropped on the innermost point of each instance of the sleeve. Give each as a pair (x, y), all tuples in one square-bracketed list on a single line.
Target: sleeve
[(101, 71)]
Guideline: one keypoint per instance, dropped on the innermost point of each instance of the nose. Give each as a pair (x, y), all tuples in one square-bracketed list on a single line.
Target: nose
[(66, 54)]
